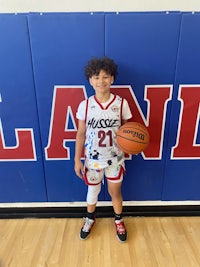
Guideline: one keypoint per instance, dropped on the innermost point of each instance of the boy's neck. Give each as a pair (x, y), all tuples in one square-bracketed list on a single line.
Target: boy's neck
[(103, 98)]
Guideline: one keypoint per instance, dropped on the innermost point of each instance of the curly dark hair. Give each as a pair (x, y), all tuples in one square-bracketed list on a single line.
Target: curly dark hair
[(95, 65)]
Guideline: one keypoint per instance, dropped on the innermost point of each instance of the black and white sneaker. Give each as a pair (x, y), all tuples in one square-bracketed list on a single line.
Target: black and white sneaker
[(121, 230), (86, 228)]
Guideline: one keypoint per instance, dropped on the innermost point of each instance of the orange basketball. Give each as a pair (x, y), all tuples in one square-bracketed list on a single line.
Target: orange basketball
[(132, 138)]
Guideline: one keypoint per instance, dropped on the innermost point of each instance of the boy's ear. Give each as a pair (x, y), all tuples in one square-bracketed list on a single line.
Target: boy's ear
[(90, 81)]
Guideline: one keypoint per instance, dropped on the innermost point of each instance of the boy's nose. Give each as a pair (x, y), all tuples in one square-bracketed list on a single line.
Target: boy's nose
[(101, 80)]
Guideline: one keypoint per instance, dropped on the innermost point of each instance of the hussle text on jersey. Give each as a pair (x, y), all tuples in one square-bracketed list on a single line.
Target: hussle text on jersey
[(102, 123)]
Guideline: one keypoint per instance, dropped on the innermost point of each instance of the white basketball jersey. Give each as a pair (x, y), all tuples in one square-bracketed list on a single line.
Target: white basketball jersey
[(102, 123)]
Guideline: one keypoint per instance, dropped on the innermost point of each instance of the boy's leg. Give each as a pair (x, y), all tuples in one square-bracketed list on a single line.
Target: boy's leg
[(114, 175), (114, 190), (92, 197), (91, 208)]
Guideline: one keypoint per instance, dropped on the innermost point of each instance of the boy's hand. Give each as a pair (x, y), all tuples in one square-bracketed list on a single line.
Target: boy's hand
[(78, 167)]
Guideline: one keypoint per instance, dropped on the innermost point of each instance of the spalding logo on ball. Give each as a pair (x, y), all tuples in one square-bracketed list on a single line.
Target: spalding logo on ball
[(132, 138)]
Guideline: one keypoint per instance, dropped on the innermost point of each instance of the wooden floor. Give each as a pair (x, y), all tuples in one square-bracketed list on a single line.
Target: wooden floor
[(152, 242)]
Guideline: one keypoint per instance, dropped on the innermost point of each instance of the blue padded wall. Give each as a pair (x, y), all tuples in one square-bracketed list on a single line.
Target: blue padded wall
[(42, 82), (181, 179), (22, 176)]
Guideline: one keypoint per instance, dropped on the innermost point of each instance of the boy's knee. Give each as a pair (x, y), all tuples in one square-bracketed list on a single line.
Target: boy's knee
[(92, 194)]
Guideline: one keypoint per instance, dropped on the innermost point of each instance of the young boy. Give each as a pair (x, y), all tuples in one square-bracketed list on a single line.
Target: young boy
[(100, 117)]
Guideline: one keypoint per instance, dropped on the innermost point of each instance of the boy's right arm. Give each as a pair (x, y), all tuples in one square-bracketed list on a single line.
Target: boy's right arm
[(80, 140)]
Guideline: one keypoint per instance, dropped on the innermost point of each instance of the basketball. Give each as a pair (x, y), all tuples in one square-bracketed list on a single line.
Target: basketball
[(132, 138)]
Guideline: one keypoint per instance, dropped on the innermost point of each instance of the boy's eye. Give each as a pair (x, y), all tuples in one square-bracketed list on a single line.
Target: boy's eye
[(103, 77)]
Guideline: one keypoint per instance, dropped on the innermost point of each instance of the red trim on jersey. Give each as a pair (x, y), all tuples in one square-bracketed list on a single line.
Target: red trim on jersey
[(121, 110), (101, 106), (111, 101), (86, 110), (98, 102)]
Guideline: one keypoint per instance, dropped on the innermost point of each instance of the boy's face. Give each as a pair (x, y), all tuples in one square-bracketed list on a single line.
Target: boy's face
[(101, 82)]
